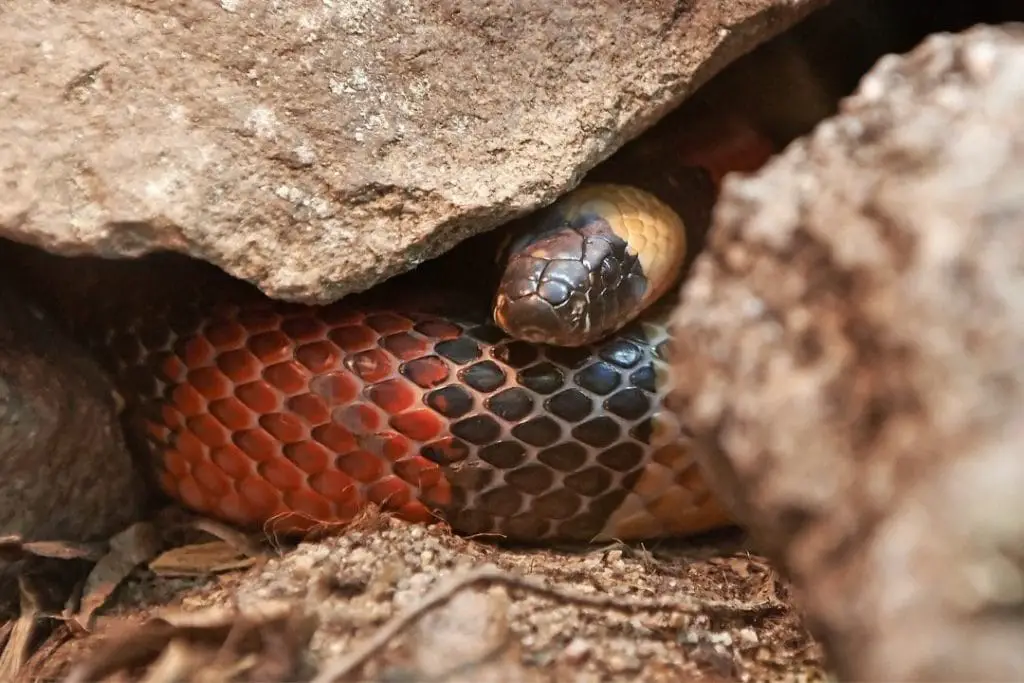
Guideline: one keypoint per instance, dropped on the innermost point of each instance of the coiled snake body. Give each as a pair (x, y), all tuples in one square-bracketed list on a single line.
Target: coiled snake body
[(289, 417)]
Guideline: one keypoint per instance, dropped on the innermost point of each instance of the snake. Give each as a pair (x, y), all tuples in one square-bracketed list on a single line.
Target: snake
[(540, 419)]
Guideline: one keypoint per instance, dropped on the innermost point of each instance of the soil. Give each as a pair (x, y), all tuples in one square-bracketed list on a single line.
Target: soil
[(390, 601)]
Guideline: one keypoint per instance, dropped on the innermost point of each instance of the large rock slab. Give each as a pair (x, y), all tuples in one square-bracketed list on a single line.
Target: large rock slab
[(315, 147), (849, 360)]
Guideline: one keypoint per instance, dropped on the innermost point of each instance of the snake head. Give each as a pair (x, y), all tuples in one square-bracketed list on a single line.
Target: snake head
[(584, 270)]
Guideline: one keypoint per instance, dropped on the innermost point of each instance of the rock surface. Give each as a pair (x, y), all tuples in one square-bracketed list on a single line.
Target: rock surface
[(849, 359), (55, 488), (316, 148)]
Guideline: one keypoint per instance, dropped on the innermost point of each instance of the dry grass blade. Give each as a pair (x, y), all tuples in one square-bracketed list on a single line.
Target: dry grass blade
[(16, 649)]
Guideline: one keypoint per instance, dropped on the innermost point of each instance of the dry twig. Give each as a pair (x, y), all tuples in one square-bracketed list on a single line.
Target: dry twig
[(487, 576)]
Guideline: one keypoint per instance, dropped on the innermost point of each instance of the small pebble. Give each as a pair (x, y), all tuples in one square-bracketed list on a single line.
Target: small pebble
[(623, 663), (721, 638), (748, 635), (302, 563), (577, 650)]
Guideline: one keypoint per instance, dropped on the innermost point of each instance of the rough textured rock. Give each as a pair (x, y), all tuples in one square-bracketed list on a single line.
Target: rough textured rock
[(849, 359), (55, 488), (316, 148)]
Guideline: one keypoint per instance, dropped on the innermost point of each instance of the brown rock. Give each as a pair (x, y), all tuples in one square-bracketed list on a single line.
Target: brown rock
[(850, 360), (65, 471), (316, 148)]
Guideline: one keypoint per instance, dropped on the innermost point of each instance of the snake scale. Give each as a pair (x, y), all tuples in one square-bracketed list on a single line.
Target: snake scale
[(540, 421)]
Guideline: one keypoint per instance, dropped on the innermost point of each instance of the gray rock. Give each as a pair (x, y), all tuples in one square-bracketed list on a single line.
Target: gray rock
[(316, 147), (66, 472), (850, 359)]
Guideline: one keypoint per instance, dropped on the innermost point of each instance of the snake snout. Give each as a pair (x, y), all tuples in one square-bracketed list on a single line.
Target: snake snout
[(543, 319), (570, 287), (543, 299)]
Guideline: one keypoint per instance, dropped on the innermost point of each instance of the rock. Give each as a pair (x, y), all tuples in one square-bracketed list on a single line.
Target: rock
[(316, 148), (66, 471), (849, 360), (469, 640)]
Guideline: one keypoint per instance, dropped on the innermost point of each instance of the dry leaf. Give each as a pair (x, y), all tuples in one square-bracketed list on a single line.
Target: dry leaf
[(14, 548), (201, 559), (128, 549), (216, 644)]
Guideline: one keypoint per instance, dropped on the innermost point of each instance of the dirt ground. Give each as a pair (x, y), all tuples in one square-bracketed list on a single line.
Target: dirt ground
[(389, 601)]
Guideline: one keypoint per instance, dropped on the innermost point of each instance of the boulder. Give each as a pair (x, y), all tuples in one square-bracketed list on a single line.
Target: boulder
[(849, 358), (316, 148), (65, 469)]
